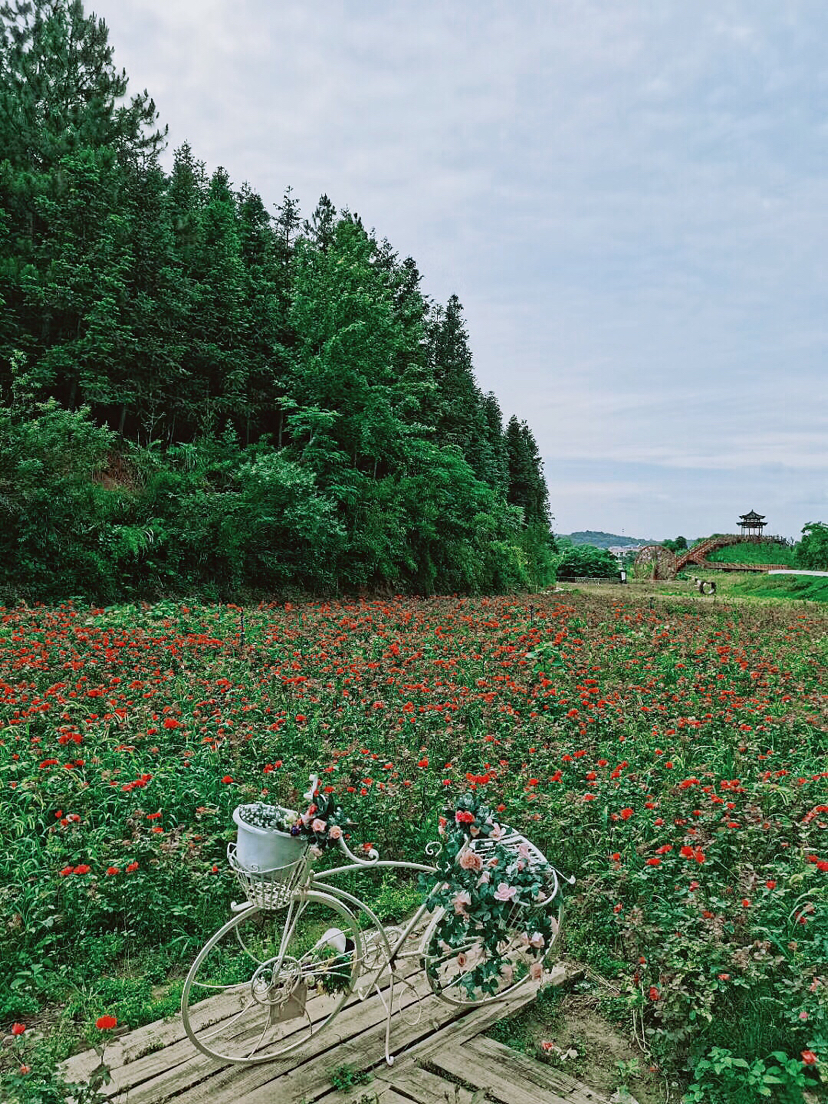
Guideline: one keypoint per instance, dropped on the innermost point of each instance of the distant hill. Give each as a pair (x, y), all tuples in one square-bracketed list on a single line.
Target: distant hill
[(605, 540)]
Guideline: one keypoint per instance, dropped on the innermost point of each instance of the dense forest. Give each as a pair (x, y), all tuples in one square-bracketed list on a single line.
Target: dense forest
[(201, 394)]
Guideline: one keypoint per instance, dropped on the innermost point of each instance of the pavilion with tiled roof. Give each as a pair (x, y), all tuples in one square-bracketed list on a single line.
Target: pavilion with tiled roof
[(752, 524)]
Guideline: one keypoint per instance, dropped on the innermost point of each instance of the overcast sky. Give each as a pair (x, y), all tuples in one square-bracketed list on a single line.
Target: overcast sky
[(628, 196)]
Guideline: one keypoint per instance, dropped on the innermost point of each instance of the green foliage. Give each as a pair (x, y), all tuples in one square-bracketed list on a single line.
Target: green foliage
[(669, 755), (265, 406), (585, 561), (750, 552), (805, 588), (58, 523), (347, 1077), (723, 1078), (811, 552)]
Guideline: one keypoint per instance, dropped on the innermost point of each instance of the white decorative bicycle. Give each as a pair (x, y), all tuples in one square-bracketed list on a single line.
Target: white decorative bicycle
[(281, 969)]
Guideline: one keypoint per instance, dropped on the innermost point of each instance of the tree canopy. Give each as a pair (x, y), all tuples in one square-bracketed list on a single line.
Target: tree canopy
[(215, 395)]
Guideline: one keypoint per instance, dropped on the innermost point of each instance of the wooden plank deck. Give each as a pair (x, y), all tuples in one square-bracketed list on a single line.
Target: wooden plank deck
[(441, 1056)]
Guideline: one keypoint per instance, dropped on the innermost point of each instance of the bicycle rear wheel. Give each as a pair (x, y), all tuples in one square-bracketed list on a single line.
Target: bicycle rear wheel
[(465, 974), (268, 981)]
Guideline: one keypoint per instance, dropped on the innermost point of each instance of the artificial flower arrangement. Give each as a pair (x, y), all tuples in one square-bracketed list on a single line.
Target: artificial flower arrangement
[(494, 898), (322, 823)]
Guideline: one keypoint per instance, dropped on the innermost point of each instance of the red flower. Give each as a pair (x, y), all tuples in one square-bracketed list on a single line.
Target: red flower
[(170, 722), (132, 866), (82, 869), (18, 1028), (654, 993), (106, 1023), (66, 871), (626, 813), (113, 870), (809, 1058), (228, 778), (653, 862)]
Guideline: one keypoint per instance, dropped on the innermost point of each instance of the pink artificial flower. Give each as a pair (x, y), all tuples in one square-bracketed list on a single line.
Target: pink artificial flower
[(335, 832), (536, 971), (537, 940), (505, 892), (318, 825), (470, 860), (460, 901)]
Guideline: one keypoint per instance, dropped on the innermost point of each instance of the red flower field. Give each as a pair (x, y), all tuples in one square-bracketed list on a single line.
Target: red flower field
[(671, 755)]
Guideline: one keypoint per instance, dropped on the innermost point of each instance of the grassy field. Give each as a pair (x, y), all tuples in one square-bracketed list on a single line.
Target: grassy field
[(668, 750), (754, 553), (737, 585)]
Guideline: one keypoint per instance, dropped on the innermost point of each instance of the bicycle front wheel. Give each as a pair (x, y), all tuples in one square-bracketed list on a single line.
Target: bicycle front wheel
[(465, 973), (268, 981)]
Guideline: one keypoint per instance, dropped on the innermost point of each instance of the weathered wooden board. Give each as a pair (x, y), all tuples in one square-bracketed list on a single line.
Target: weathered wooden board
[(158, 1064), (510, 1077)]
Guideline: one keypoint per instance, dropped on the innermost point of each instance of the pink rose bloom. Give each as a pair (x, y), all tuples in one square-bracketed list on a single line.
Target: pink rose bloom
[(505, 892), (507, 972), (496, 832), (536, 971), (469, 860), (315, 851), (523, 851), (536, 939), (460, 901), (484, 878), (318, 825), (335, 832)]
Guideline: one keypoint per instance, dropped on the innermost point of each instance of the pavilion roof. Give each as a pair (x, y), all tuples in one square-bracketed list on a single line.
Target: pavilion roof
[(751, 517)]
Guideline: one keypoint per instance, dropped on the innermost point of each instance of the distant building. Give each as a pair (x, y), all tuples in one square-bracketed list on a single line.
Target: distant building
[(752, 524)]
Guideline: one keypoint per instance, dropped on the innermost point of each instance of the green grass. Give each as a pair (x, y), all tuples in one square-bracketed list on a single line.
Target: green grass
[(767, 552), (808, 588)]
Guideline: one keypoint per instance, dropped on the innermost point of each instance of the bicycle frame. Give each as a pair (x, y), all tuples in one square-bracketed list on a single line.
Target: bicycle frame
[(374, 950)]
